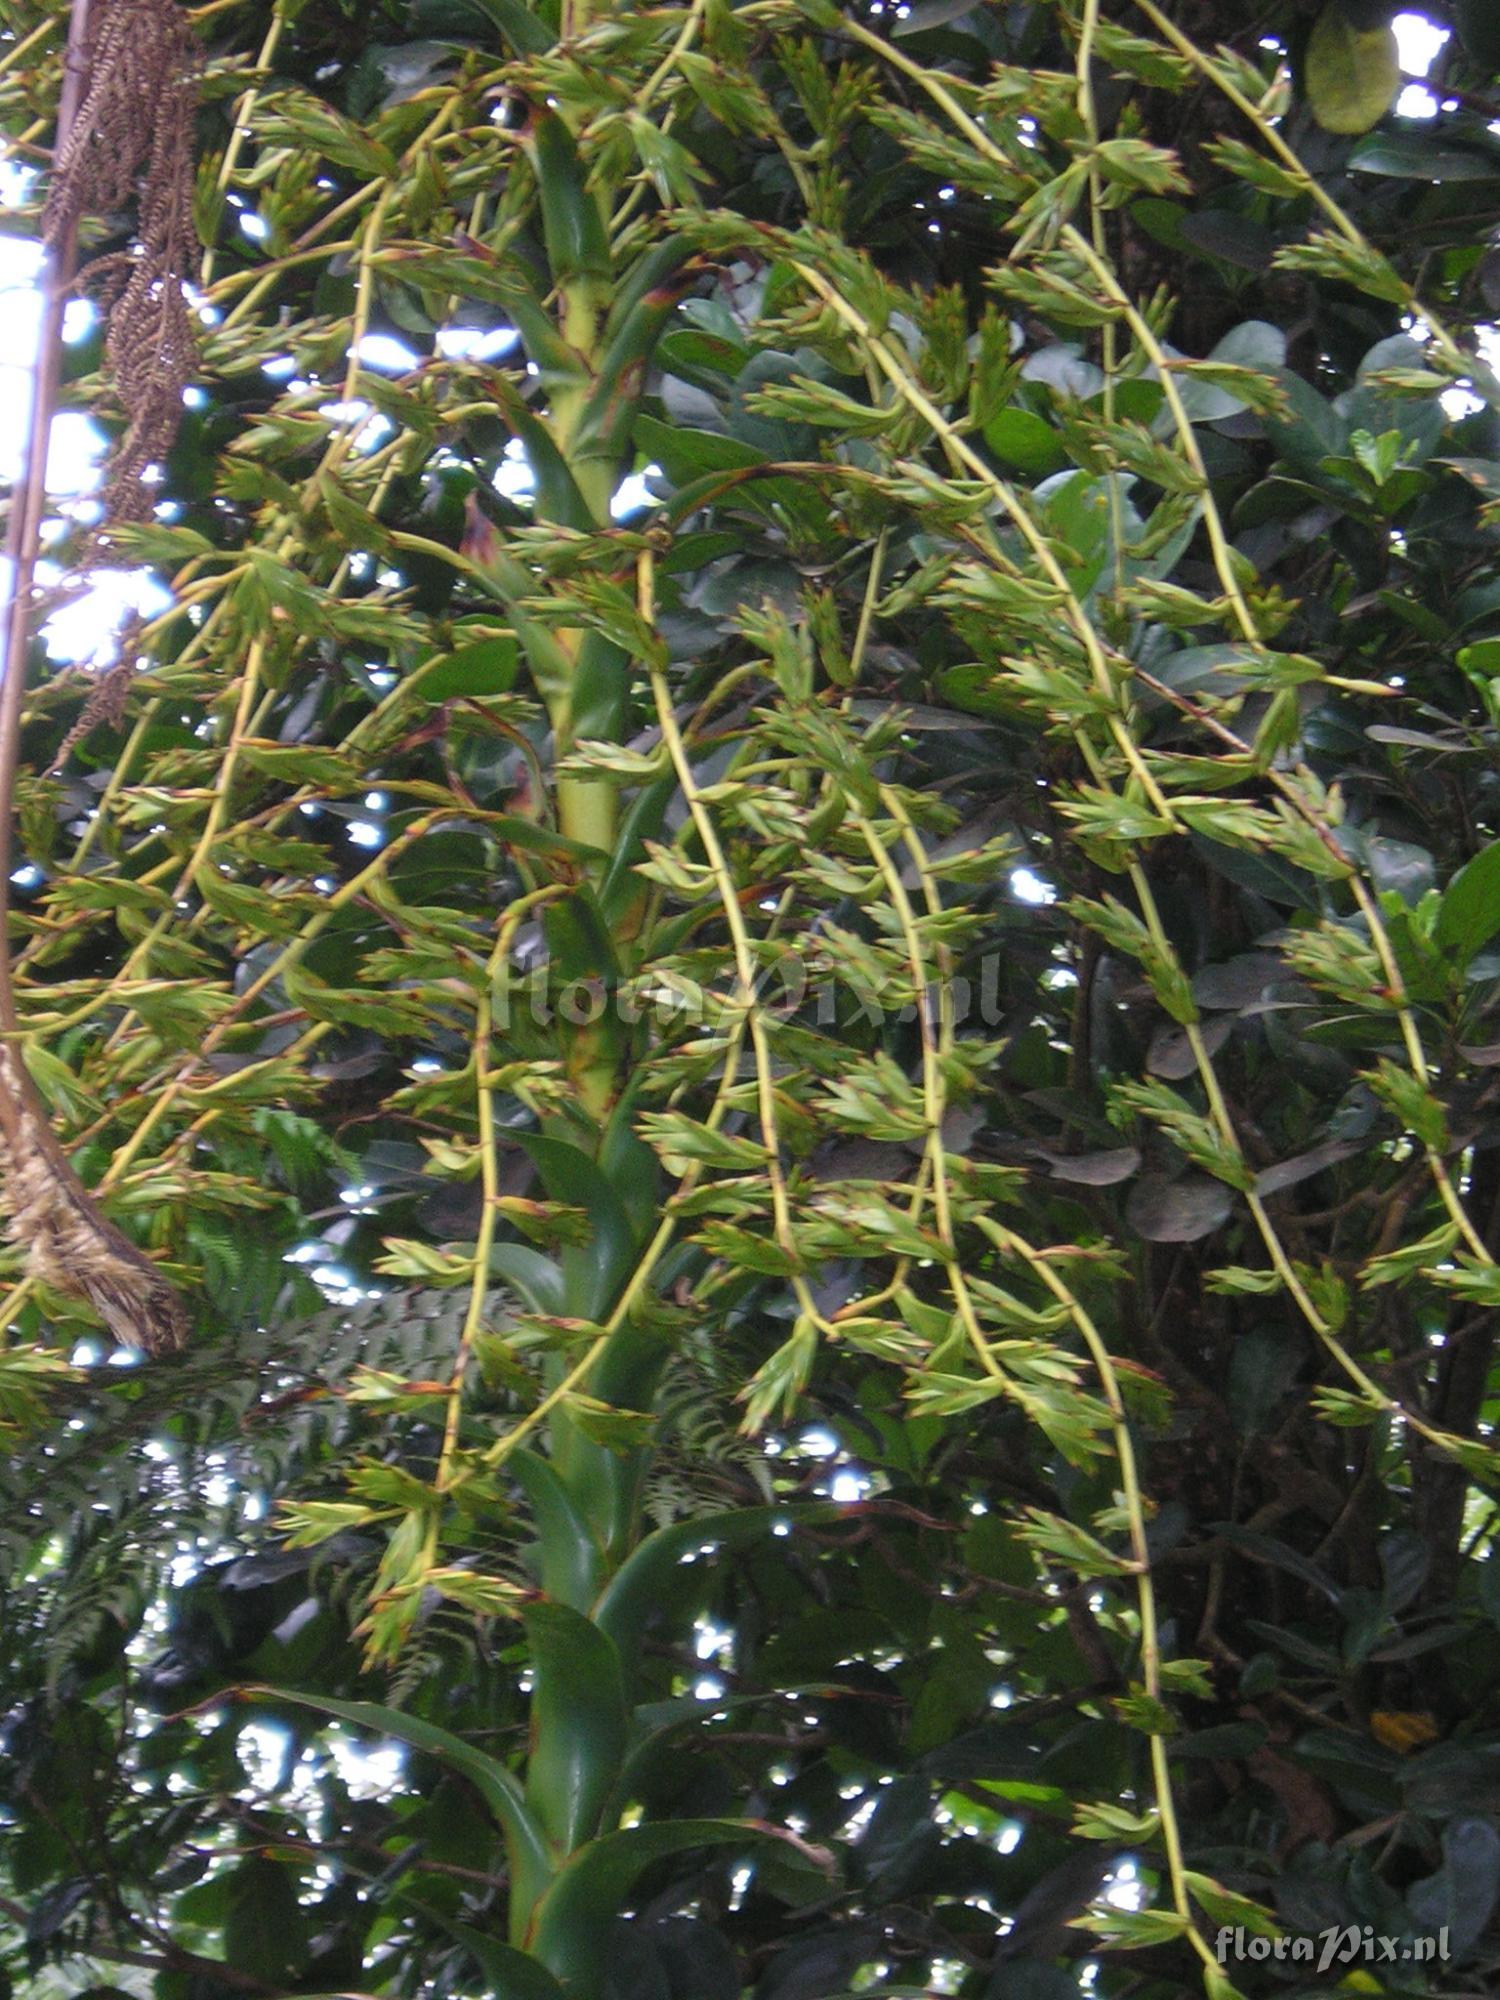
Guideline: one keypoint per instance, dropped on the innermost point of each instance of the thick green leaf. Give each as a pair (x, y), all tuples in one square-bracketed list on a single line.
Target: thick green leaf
[(1178, 1211), (523, 27), (600, 688), (509, 1974), (593, 1271), (572, 224), (265, 1931), (1414, 156), (487, 667), (1458, 1899), (1469, 914), (530, 1860), (579, 1722), (656, 1572), (535, 1277), (570, 1555), (1022, 439), (688, 454), (569, 1930), (1350, 74), (581, 943), (632, 1169)]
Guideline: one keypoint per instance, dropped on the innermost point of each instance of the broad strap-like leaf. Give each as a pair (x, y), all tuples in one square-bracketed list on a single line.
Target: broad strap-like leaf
[(570, 1555), (570, 1929), (531, 1860), (653, 1575), (579, 1722)]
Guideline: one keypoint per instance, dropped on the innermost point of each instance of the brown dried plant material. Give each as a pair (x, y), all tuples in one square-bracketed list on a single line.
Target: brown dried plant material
[(133, 139), (125, 131), (69, 1245), (105, 702)]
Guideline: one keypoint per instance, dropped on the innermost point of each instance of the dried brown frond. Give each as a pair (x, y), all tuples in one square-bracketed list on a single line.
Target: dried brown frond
[(68, 1243), (133, 140), (106, 700), (130, 139)]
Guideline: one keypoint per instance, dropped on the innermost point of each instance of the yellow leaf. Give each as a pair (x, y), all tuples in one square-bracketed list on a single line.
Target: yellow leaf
[(1400, 1730), (1351, 74)]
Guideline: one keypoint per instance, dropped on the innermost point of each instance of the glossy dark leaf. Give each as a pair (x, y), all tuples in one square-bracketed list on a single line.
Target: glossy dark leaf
[(1469, 915), (1179, 1211), (1351, 73), (1093, 1169), (492, 1779), (487, 667), (579, 1715), (1022, 439), (698, 1960), (592, 1273), (1459, 1897), (265, 1932), (1407, 157), (1316, 1160), (1172, 1054), (653, 1568), (570, 1928), (510, 1974)]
